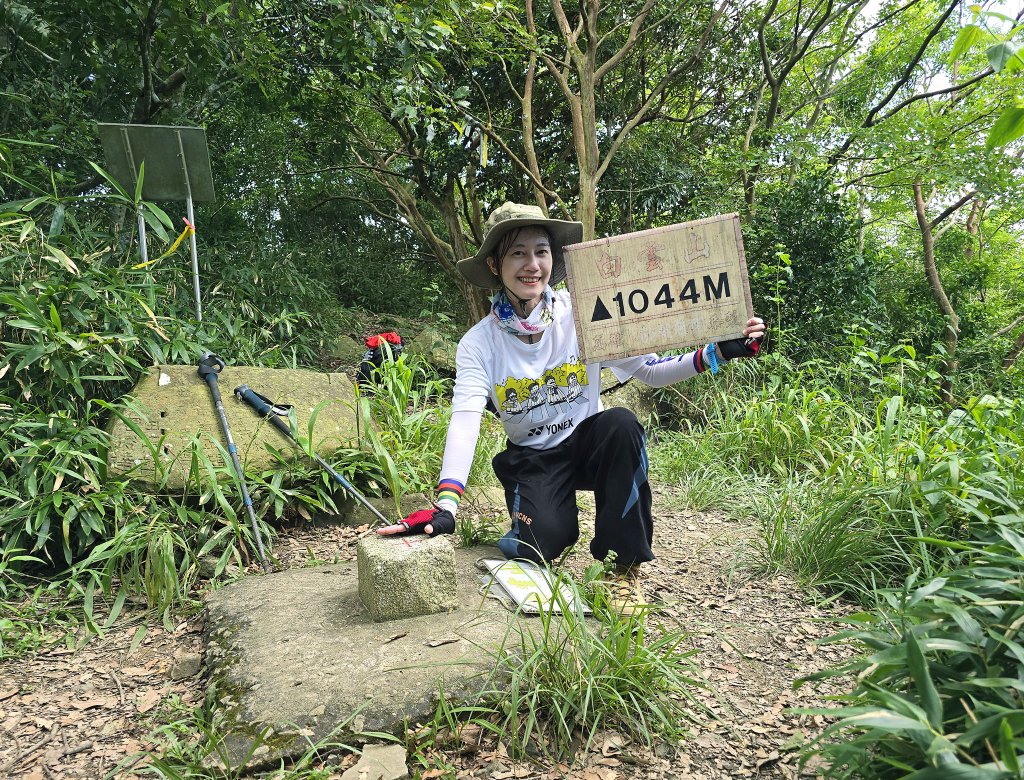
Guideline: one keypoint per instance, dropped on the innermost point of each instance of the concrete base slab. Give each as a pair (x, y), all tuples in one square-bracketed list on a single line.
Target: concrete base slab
[(297, 651)]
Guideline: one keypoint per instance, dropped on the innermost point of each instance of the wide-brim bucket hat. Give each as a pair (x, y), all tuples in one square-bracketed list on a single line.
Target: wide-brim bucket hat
[(511, 216)]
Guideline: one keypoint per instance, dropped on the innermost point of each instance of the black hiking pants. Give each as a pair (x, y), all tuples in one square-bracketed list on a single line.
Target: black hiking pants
[(606, 454)]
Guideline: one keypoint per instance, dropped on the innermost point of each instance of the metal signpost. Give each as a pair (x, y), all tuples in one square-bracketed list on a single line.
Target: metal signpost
[(659, 289), (177, 168)]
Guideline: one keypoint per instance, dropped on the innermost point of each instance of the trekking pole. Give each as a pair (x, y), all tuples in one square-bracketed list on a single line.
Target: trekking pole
[(273, 412), (209, 367)]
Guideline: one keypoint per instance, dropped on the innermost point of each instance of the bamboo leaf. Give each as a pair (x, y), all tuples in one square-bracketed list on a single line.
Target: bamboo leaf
[(918, 664), (886, 721), (111, 181), (927, 590), (57, 255), (138, 181), (956, 772), (1008, 747)]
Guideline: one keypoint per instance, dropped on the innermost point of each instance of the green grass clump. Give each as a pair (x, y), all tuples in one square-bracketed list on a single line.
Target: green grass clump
[(561, 677), (939, 693)]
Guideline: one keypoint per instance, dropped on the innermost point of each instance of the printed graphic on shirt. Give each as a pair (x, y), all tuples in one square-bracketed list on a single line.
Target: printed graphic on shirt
[(540, 398)]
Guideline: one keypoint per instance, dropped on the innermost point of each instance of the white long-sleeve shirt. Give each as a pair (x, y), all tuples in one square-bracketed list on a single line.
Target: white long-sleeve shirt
[(541, 391)]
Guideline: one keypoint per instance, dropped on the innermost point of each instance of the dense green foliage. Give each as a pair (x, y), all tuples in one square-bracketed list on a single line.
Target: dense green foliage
[(872, 151), (852, 483), (81, 327)]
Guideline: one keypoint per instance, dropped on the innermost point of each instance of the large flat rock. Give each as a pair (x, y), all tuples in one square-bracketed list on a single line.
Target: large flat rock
[(175, 410), (298, 651)]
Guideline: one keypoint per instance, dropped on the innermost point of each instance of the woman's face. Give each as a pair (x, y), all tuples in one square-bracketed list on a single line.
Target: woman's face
[(526, 266)]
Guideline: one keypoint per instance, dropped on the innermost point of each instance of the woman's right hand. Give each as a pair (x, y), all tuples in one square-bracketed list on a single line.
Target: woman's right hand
[(423, 521)]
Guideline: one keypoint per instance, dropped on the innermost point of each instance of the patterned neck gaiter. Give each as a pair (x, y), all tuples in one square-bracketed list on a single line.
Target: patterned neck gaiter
[(510, 322)]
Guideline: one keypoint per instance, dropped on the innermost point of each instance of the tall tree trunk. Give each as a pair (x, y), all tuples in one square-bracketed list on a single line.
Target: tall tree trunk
[(529, 148), (951, 333), (476, 299), (1015, 350)]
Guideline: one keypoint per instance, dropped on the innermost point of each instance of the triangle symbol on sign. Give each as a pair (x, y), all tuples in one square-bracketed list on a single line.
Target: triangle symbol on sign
[(600, 311)]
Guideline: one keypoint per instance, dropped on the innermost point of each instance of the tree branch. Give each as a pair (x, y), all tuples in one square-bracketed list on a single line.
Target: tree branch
[(869, 120), (628, 44), (955, 88), (960, 203), (1009, 328)]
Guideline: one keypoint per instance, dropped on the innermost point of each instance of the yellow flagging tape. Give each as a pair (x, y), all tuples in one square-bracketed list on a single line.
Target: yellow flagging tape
[(188, 231)]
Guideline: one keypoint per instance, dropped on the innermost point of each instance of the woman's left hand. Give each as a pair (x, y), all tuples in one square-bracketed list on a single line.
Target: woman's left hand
[(748, 345), (755, 329)]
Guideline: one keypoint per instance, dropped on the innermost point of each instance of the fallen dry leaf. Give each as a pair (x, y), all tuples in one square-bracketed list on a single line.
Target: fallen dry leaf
[(516, 772), (439, 642), (89, 704), (136, 671), (771, 758), (147, 700), (470, 733), (612, 744)]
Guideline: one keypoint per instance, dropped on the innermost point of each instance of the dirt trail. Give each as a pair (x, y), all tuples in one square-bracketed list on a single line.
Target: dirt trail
[(83, 714)]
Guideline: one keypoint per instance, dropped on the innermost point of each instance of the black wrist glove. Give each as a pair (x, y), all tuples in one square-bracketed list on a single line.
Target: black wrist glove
[(739, 348), (441, 521)]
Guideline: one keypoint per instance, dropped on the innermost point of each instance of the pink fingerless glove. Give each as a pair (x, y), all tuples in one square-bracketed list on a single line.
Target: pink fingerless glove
[(441, 521)]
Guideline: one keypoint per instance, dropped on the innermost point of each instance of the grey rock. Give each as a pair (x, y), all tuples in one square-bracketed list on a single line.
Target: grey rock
[(347, 350), (435, 348), (176, 413), (186, 666), (379, 762), (207, 566), (406, 576)]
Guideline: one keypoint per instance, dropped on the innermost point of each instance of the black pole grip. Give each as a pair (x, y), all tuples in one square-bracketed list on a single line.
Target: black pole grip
[(264, 408), (254, 399), (210, 365)]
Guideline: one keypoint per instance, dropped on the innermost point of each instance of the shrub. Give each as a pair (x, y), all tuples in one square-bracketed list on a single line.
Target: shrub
[(941, 693)]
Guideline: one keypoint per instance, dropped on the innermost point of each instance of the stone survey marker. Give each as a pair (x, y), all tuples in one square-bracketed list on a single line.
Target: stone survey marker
[(175, 409), (659, 289), (406, 576)]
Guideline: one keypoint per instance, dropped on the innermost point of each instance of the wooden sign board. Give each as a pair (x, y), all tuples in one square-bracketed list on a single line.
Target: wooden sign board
[(659, 289)]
